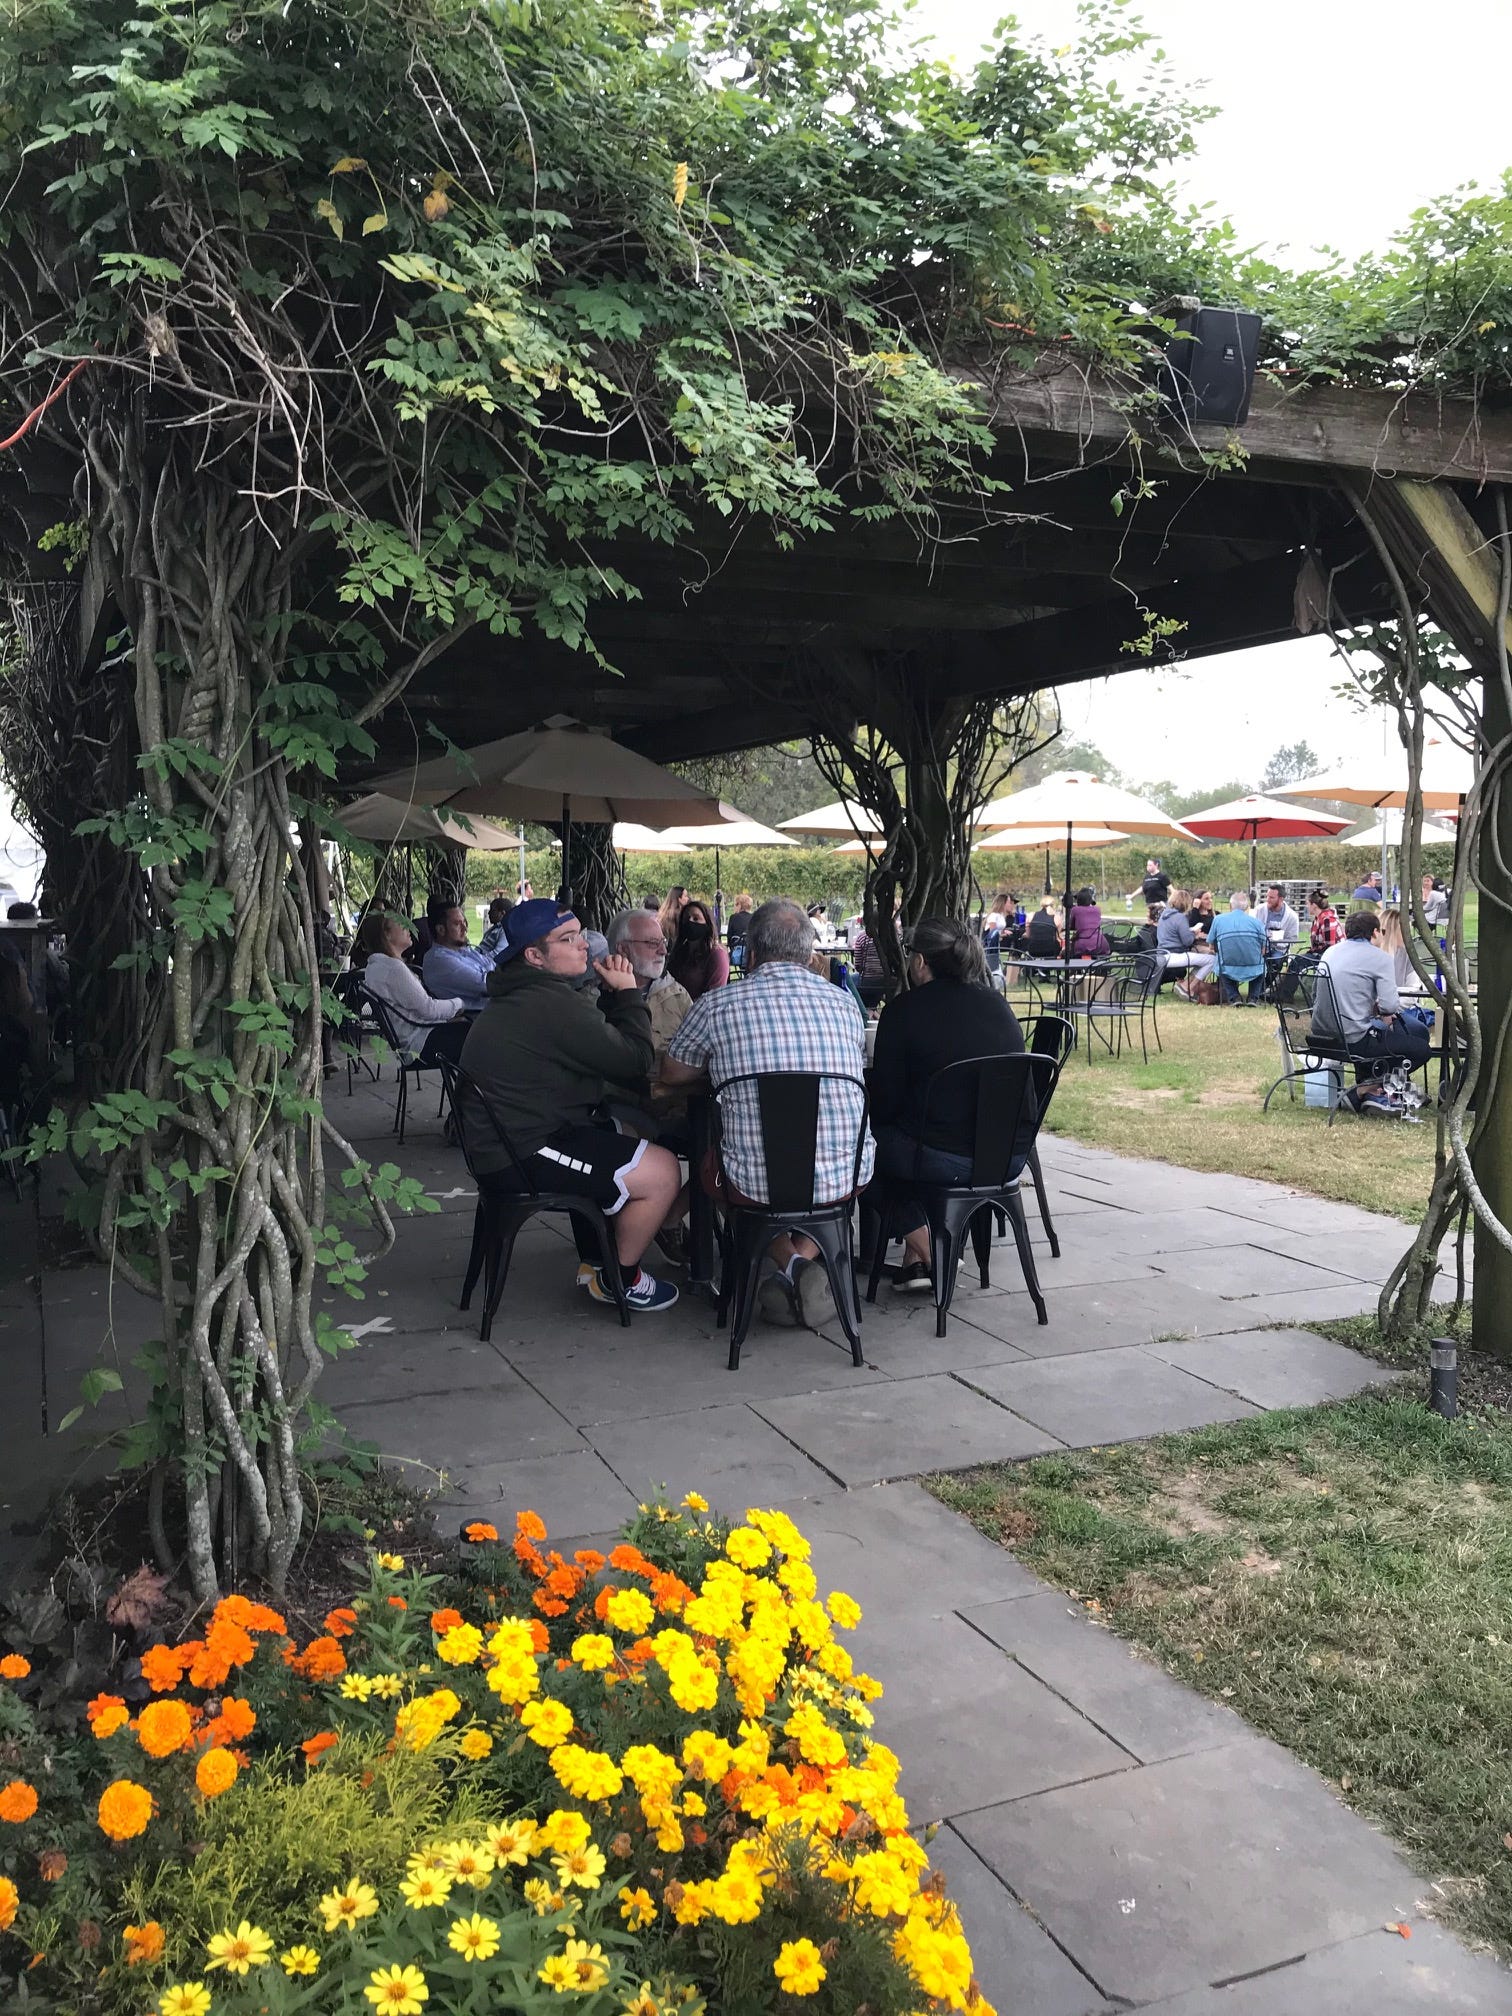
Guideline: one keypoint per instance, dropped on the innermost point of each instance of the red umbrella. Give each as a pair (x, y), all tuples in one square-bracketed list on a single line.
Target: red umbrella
[(1255, 818)]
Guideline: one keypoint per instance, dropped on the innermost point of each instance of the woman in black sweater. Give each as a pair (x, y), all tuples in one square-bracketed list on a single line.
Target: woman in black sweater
[(949, 1012)]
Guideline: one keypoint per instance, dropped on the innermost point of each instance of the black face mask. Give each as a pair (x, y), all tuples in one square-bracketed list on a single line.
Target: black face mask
[(697, 934)]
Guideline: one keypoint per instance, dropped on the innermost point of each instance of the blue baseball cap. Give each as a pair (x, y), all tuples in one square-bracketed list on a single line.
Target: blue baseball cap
[(529, 922)]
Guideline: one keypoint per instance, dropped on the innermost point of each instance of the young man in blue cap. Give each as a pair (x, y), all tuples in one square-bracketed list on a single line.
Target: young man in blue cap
[(547, 1056)]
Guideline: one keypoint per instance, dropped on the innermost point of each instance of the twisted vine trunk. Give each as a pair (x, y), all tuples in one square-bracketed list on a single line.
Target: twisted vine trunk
[(215, 1193)]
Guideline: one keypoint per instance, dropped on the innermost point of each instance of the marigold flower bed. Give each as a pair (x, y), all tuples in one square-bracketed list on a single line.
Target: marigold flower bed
[(627, 1785)]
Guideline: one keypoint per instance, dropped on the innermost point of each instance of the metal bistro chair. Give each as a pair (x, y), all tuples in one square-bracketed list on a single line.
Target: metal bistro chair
[(504, 1206), (1303, 1049), (1012, 1098), (404, 1067), (788, 1110), (1045, 1036), (1097, 997), (350, 1028)]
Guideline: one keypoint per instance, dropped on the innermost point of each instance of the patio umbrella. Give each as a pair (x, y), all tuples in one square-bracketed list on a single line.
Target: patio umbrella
[(840, 821), (392, 822), (558, 773), (1074, 802), (1387, 832), (1255, 818), (1381, 783), (737, 831), (1046, 837), (630, 838)]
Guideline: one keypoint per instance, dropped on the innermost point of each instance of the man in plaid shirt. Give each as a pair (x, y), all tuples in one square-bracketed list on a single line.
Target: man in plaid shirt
[(781, 1017)]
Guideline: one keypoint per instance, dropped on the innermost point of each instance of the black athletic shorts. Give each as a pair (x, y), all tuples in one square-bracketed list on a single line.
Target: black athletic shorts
[(590, 1162)]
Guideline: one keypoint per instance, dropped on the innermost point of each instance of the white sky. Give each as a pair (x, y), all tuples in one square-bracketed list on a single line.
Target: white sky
[(1338, 119)]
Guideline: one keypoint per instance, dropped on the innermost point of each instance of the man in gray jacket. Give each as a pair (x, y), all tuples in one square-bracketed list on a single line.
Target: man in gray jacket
[(1360, 1004), (547, 1056)]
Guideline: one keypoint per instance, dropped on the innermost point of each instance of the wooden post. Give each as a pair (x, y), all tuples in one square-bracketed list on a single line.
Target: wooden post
[(1492, 1303)]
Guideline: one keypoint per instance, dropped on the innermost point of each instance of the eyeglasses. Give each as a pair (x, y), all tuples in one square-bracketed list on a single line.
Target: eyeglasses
[(565, 938)]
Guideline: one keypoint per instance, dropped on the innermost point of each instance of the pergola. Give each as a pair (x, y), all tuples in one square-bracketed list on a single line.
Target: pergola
[(1120, 543)]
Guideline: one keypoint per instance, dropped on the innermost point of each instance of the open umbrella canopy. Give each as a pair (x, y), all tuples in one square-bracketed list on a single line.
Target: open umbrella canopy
[(1387, 832), (737, 831), (557, 772), (1259, 818), (1382, 780), (1047, 836), (632, 839), (1076, 798), (840, 821), (392, 822)]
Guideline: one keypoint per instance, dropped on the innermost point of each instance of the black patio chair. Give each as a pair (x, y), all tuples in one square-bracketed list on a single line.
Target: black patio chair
[(1012, 1097), (788, 1110), (1101, 997), (351, 1027), (506, 1201), (1044, 1036), (405, 1067)]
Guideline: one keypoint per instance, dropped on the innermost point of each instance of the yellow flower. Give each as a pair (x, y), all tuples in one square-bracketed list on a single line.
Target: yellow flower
[(637, 1908), (474, 1938), (468, 1862), (425, 1888), (845, 1610), (642, 2003), (546, 1722), (189, 1998), (387, 1686), (798, 1967), (344, 1907), (558, 1973), (630, 1610), (695, 1503), (586, 1774), (393, 1562), (461, 1646), (236, 1951), (510, 1841), (566, 1829), (593, 1651), (707, 1755), (748, 1549), (582, 1866), (299, 1960), (397, 1990), (589, 1968), (476, 1744), (735, 1897), (541, 1898), (356, 1687)]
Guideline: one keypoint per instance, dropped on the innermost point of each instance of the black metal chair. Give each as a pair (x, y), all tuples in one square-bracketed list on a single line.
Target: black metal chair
[(1096, 994), (350, 1027), (505, 1203), (1012, 1096), (1045, 1036), (405, 1067), (788, 1110), (1303, 1048)]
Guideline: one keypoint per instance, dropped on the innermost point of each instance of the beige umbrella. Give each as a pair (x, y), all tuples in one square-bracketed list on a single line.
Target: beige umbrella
[(1379, 781), (1010, 837), (392, 822), (840, 821), (737, 831), (1387, 832), (632, 839)]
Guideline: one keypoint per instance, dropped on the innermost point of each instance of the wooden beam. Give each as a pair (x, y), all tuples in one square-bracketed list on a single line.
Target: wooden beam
[(1057, 410)]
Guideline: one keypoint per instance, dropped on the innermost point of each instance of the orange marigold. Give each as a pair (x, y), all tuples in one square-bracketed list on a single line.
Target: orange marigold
[(446, 1620), (163, 1727), (236, 1720), (479, 1530), (18, 1801), (629, 1560), (397, 1603), (530, 1526), (124, 1809), (163, 1665), (215, 1773), (10, 1899), (250, 1616), (540, 1637), (107, 1713), (341, 1623), (14, 1667), (143, 1943), (549, 1606), (226, 1645), (322, 1659), (315, 1747)]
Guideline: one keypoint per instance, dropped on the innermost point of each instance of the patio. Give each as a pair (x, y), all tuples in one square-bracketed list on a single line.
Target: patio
[(1114, 1840)]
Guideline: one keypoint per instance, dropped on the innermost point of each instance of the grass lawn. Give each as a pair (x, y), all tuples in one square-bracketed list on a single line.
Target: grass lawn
[(1198, 1103), (1341, 1575)]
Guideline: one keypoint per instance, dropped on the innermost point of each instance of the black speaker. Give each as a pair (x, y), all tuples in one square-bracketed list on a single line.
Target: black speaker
[(1209, 367)]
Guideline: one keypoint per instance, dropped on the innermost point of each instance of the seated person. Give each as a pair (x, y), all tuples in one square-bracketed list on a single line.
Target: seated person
[(1370, 890), (950, 1011), (997, 927), (697, 960), (636, 935), (1279, 922), (782, 1017), (57, 981), (1361, 1006), (1184, 951), (1238, 937), (547, 1058), (427, 1029), (498, 910), (670, 911), (1042, 939), (451, 968), (1085, 927), (1148, 932), (1394, 945), (1324, 926), (1200, 914)]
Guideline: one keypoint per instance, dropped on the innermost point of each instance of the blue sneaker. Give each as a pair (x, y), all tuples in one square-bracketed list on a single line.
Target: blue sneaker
[(644, 1292)]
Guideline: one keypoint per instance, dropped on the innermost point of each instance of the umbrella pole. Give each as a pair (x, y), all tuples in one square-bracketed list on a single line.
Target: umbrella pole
[(1066, 930), (1254, 839), (520, 892), (1048, 885), (564, 893), (718, 894)]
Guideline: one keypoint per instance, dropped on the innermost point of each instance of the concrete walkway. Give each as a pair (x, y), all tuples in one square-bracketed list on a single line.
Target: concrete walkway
[(1115, 1841)]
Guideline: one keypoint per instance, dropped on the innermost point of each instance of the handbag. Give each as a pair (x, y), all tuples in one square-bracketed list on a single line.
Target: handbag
[(1206, 993)]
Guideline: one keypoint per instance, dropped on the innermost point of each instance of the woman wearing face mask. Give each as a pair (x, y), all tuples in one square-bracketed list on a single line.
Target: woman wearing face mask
[(697, 960)]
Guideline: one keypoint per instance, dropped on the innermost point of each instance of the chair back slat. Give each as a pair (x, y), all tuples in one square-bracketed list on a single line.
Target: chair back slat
[(1011, 1095), (787, 1104), (479, 1124)]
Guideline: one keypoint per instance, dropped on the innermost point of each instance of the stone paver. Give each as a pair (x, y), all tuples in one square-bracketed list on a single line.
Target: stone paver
[(1195, 1870), (1110, 1396), (1114, 1840)]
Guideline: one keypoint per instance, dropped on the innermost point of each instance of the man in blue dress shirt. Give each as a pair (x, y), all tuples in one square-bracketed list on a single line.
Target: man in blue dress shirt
[(452, 969)]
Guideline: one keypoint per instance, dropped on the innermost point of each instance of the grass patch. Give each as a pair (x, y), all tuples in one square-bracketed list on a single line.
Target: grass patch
[(1341, 1575), (1197, 1103)]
